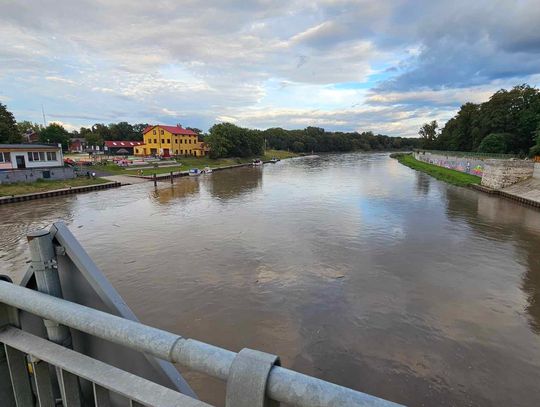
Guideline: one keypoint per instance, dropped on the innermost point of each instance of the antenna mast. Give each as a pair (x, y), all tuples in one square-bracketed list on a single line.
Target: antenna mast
[(44, 120)]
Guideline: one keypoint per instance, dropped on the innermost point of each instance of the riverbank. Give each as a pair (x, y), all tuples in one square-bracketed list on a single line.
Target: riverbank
[(186, 163), (57, 192), (23, 188), (443, 174)]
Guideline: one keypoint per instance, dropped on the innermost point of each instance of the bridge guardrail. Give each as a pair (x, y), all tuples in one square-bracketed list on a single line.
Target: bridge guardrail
[(253, 378)]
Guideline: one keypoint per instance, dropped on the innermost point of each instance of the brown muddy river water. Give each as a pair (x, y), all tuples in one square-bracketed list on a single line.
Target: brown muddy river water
[(351, 267)]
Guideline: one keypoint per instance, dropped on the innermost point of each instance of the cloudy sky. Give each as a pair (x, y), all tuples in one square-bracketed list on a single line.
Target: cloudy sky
[(380, 65)]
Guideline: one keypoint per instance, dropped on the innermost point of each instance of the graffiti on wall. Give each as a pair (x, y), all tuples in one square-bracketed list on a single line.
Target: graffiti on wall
[(461, 164)]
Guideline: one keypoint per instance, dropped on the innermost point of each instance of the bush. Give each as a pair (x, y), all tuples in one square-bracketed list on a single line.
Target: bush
[(496, 143)]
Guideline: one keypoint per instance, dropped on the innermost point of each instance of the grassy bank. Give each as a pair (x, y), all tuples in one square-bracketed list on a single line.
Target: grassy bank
[(444, 174), (194, 162), (20, 188)]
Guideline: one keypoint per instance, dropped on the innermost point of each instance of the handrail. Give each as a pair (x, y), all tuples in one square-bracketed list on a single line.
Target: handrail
[(283, 385), (100, 374)]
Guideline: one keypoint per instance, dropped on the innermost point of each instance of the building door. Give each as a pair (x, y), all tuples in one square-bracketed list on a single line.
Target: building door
[(19, 159), (166, 152)]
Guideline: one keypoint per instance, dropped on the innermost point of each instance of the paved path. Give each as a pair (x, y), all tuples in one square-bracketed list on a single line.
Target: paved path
[(528, 189), (125, 179)]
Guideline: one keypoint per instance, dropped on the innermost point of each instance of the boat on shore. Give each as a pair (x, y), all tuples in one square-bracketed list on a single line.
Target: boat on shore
[(194, 172), (207, 170), (274, 160), (257, 163)]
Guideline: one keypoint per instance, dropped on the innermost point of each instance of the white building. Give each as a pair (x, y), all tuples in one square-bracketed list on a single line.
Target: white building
[(22, 156)]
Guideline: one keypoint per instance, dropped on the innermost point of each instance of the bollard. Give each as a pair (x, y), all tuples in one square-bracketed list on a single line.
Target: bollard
[(171, 177), (155, 180)]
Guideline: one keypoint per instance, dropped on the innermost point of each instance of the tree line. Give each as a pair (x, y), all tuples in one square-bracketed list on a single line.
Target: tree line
[(508, 123), (224, 139), (229, 140)]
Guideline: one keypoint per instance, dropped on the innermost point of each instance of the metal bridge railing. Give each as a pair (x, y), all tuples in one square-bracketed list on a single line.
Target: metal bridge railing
[(36, 369)]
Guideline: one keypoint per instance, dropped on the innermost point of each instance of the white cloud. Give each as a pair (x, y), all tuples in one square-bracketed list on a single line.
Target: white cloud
[(263, 63)]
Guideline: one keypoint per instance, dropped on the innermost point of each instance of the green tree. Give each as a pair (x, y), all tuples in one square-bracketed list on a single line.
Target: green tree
[(298, 147), (428, 134), (55, 134), (101, 131), (496, 143), (122, 131), (8, 126), (92, 138), (25, 126)]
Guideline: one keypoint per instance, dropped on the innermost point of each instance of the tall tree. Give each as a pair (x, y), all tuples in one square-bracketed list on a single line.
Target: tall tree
[(26, 126), (55, 133), (428, 133), (8, 126)]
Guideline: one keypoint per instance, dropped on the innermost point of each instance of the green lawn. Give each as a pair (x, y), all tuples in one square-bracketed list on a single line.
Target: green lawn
[(444, 174), (20, 188), (192, 162)]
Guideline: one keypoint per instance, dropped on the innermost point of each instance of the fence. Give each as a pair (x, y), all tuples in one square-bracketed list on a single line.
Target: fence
[(45, 369), (471, 154)]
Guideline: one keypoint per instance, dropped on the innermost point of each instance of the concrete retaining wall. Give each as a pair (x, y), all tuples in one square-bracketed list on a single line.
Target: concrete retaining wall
[(469, 165), (503, 173), (33, 174)]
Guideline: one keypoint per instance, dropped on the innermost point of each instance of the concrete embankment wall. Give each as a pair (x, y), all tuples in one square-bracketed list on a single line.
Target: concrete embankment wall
[(56, 192), (33, 174), (469, 165), (500, 174), (495, 173)]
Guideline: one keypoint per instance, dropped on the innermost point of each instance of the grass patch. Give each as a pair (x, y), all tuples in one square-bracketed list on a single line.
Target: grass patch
[(20, 188), (444, 174)]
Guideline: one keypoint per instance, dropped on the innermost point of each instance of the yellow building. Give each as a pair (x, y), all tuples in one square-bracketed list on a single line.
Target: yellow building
[(167, 141)]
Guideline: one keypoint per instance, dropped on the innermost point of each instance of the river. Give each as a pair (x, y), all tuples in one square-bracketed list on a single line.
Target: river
[(351, 267)]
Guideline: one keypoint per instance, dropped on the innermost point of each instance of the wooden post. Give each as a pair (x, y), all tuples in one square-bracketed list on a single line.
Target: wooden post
[(155, 180), (171, 177)]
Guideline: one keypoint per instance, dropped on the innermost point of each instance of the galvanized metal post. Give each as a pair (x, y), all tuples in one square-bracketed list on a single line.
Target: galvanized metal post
[(8, 316), (44, 266)]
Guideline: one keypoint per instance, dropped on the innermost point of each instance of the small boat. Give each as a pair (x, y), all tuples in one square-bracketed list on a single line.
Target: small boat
[(194, 172), (257, 163), (207, 170), (274, 160)]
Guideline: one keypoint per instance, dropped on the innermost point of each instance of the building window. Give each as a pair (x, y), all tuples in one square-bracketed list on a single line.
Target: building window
[(176, 141), (41, 156), (163, 141), (168, 140), (36, 156), (30, 156), (154, 133), (162, 132), (51, 156), (4, 157)]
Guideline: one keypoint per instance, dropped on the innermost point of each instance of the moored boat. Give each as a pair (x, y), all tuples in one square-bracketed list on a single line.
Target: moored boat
[(257, 163), (194, 172), (207, 170)]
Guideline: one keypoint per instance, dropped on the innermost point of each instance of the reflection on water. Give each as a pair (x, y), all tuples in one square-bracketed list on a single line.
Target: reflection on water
[(351, 267), (232, 184)]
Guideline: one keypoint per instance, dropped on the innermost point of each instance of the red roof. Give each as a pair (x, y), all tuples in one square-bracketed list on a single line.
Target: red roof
[(123, 143), (172, 129)]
